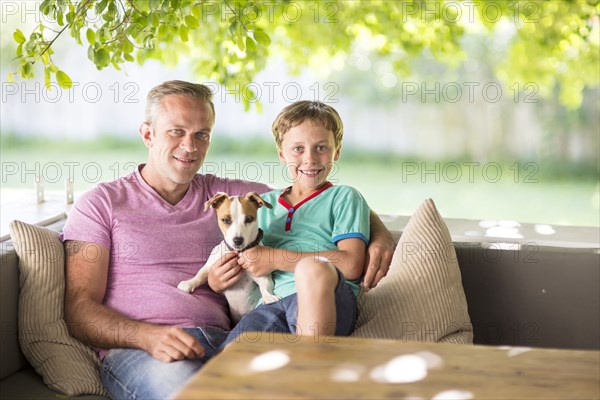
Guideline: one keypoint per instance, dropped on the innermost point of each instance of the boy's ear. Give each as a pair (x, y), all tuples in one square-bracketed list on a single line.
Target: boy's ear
[(280, 154), (337, 153), (146, 134)]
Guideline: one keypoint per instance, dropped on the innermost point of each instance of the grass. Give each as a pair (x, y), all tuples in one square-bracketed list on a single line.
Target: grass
[(520, 191)]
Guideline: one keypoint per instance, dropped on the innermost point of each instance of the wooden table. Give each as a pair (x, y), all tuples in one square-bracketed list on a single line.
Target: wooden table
[(273, 366)]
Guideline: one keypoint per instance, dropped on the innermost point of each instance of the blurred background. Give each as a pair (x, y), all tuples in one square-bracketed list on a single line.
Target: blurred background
[(482, 143)]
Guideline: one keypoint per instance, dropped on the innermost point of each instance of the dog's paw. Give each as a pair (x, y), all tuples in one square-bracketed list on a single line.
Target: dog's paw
[(186, 286), (270, 298)]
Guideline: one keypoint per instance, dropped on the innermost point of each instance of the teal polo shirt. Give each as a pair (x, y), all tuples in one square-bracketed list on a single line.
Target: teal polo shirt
[(316, 224)]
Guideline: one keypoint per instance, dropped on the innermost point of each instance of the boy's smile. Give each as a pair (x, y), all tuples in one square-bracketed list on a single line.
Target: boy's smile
[(309, 151)]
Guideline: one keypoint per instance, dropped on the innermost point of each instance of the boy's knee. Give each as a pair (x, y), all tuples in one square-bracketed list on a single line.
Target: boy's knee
[(314, 271)]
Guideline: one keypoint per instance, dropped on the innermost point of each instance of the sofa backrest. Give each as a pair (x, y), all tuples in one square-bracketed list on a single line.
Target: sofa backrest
[(532, 296)]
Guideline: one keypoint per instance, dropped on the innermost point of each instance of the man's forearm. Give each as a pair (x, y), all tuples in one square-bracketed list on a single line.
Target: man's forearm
[(100, 326), (379, 232)]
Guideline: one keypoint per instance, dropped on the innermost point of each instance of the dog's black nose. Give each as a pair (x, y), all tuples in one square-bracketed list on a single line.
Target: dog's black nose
[(238, 240)]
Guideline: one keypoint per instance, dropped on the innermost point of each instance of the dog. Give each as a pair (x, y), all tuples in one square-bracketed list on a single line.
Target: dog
[(237, 220)]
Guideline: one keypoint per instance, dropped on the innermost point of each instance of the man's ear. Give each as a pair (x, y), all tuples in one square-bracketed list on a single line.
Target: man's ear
[(146, 133)]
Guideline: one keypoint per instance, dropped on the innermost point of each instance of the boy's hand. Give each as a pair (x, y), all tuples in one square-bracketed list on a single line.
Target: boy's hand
[(377, 263), (257, 260), (224, 272)]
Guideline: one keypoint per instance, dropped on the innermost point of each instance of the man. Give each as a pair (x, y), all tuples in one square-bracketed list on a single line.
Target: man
[(130, 242)]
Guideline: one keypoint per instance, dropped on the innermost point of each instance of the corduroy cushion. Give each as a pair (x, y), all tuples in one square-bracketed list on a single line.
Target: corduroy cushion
[(421, 298), (66, 365)]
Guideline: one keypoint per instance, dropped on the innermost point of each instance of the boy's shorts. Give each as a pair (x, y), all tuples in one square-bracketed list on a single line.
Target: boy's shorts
[(281, 316)]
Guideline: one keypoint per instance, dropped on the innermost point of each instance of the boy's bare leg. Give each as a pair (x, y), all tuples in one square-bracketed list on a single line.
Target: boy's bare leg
[(315, 285)]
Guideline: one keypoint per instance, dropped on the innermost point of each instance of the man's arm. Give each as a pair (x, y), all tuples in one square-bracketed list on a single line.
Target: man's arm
[(379, 253), (100, 326)]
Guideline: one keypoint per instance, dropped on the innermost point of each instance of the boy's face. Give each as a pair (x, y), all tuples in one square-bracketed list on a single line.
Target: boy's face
[(309, 152)]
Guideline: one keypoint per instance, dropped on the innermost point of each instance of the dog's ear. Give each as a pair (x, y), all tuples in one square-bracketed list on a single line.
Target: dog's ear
[(253, 196), (215, 201)]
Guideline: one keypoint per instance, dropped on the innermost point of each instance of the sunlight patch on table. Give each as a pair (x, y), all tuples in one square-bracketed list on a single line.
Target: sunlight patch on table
[(402, 369), (269, 361), (453, 395)]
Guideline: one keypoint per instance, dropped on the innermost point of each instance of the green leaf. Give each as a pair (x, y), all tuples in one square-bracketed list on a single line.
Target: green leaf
[(191, 22), (100, 6), (197, 11), (162, 30), (59, 18), (47, 80), (250, 44), (64, 81), (183, 33), (154, 4), (233, 30), (11, 78), (101, 58), (91, 36), (241, 42), (154, 19), (19, 37), (26, 70), (261, 37)]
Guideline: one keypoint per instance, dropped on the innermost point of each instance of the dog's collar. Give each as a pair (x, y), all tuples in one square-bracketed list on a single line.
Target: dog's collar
[(250, 245)]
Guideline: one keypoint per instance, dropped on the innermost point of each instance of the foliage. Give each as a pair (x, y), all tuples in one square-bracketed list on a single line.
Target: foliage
[(553, 43)]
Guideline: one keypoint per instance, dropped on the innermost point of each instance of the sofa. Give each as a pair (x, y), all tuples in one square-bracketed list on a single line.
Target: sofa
[(533, 296)]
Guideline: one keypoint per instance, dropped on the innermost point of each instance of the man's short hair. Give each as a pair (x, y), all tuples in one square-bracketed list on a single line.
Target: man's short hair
[(314, 111), (196, 91)]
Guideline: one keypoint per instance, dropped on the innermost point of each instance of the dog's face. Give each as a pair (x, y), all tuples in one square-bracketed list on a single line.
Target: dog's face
[(237, 217)]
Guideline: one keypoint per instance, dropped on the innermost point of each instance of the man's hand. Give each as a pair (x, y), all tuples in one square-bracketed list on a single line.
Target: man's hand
[(379, 253), (257, 260), (170, 343), (377, 263), (224, 272)]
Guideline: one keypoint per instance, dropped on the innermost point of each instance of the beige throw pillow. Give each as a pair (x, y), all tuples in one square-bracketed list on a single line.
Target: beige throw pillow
[(67, 365), (421, 298)]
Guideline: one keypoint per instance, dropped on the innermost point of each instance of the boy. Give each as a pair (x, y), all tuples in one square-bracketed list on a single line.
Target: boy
[(315, 235)]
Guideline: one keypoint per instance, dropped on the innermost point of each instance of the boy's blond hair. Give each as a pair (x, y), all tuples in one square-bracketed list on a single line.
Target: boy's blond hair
[(313, 111)]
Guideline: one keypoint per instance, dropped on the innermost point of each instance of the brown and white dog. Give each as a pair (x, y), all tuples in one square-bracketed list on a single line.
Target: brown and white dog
[(237, 220)]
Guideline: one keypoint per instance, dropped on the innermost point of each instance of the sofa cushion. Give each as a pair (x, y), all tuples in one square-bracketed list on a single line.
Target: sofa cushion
[(66, 365), (422, 297)]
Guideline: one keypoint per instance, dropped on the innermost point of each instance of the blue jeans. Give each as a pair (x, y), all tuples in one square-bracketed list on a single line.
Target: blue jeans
[(135, 374), (281, 316)]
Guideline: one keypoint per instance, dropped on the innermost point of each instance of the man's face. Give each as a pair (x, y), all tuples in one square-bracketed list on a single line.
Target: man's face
[(178, 139)]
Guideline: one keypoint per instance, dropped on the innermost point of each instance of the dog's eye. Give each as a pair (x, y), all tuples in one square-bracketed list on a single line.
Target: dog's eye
[(248, 220), (226, 221)]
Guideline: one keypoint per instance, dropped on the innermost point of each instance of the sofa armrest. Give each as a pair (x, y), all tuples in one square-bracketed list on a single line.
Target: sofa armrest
[(12, 357)]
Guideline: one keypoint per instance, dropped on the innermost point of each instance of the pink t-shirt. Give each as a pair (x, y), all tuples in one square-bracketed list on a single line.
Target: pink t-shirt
[(154, 245)]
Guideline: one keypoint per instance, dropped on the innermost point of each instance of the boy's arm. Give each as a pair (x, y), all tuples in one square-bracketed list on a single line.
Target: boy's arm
[(379, 253), (349, 258)]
